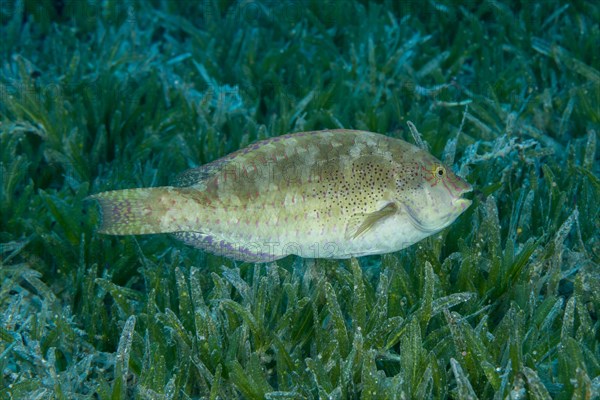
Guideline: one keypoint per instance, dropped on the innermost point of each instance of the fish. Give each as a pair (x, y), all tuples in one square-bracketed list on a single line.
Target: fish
[(333, 194)]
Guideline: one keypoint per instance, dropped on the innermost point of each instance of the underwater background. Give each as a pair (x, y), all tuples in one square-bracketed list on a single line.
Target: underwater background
[(103, 95)]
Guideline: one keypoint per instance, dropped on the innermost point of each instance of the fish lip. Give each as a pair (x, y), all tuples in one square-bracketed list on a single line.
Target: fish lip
[(461, 201), (468, 188), (464, 203)]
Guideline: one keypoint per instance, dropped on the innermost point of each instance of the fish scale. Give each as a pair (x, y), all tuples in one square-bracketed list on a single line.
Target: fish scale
[(320, 194)]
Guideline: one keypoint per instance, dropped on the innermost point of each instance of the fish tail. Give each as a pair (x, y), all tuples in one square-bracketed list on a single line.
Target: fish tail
[(135, 211)]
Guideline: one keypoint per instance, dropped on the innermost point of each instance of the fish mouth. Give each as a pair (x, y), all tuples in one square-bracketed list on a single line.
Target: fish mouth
[(462, 203)]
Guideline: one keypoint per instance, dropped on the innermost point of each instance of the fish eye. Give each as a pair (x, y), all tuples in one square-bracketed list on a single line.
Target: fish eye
[(440, 171)]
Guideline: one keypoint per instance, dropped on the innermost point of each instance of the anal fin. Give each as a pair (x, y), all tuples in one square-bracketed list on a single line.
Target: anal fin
[(249, 252)]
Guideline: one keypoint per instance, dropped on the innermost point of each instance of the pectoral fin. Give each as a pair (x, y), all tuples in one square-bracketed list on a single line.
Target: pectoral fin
[(362, 223)]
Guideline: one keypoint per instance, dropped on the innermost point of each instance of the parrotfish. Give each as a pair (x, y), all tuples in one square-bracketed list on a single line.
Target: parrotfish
[(322, 194)]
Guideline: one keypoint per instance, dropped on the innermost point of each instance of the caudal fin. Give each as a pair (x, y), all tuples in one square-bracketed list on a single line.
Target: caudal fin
[(135, 211)]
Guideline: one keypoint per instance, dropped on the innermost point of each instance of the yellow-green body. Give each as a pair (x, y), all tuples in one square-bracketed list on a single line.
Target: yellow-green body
[(322, 194)]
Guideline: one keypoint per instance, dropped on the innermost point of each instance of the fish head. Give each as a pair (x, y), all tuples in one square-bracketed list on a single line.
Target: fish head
[(433, 198)]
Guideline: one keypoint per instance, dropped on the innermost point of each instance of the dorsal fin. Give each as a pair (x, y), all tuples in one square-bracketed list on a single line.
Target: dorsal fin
[(202, 173), (196, 175)]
